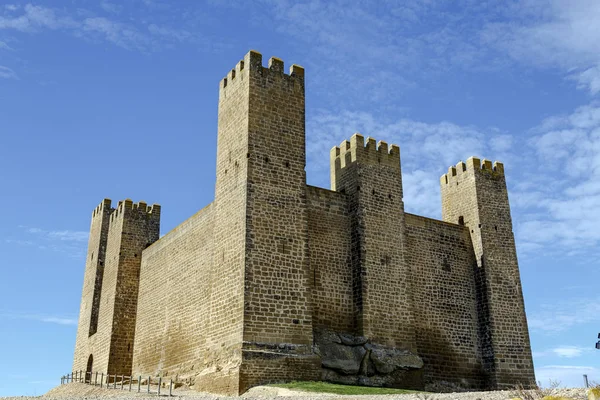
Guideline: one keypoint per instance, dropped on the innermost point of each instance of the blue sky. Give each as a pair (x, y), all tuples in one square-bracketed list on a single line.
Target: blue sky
[(119, 99)]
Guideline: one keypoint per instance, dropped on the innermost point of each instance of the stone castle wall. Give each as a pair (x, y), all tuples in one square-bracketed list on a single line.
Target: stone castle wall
[(276, 280), (444, 299), (330, 251), (172, 324)]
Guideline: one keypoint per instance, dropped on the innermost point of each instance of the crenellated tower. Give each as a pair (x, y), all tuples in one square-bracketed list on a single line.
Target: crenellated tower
[(117, 238), (92, 285), (474, 194), (261, 249), (370, 175)]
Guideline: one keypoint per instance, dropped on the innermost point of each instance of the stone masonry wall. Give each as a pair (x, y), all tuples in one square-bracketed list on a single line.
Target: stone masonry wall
[(278, 282), (369, 173), (173, 307), (92, 287), (329, 244), (475, 193), (442, 265), (133, 227)]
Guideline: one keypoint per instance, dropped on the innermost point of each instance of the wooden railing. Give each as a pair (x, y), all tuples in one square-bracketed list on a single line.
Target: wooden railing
[(114, 381)]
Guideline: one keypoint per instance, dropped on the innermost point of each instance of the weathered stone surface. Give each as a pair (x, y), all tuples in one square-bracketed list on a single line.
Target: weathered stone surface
[(387, 360), (327, 336), (346, 359), (350, 340)]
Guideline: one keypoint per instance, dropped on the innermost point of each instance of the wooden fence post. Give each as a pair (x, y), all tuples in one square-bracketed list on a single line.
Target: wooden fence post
[(139, 382), (96, 379), (130, 379), (115, 382), (170, 388), (148, 384), (101, 379), (159, 382), (122, 378)]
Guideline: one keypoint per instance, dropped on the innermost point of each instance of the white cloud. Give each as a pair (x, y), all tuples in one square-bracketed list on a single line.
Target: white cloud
[(589, 79), (178, 34), (5, 46), (51, 319), (19, 242), (7, 73), (563, 352), (568, 351), (85, 24), (426, 149), (558, 209), (561, 316), (71, 243), (11, 7), (77, 236), (555, 34), (64, 235), (111, 7), (120, 34), (36, 18)]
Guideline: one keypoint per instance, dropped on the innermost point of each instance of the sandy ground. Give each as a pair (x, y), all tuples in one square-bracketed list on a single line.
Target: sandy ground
[(84, 391)]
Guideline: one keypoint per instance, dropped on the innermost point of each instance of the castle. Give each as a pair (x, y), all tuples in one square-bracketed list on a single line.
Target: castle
[(276, 280)]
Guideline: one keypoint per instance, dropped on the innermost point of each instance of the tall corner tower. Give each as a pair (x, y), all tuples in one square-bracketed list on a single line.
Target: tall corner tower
[(261, 238), (108, 312), (475, 194), (370, 175), (92, 285)]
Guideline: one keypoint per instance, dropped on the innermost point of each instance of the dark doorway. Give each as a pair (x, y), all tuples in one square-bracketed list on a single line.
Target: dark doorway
[(88, 370)]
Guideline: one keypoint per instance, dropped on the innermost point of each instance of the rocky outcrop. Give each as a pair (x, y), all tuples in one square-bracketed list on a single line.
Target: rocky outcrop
[(350, 359)]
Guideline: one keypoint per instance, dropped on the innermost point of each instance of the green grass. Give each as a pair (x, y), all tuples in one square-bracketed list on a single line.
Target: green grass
[(324, 387)]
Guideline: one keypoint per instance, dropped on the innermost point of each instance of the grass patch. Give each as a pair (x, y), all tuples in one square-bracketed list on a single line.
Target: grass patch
[(325, 387)]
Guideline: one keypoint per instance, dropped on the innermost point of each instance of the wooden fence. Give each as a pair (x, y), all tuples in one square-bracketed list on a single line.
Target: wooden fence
[(115, 381)]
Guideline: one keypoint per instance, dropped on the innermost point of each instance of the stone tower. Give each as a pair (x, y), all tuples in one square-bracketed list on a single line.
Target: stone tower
[(261, 241), (371, 178), (106, 327), (474, 194)]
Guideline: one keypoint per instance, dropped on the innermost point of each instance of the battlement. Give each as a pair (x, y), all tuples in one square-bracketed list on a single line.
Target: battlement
[(372, 152), (253, 62), (127, 206), (472, 165), (105, 205)]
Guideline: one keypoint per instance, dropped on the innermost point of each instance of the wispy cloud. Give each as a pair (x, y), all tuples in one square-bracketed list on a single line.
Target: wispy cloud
[(146, 36), (71, 243), (563, 352), (51, 319), (7, 73), (4, 46), (561, 316), (123, 35), (35, 19), (567, 150), (554, 34), (427, 150), (64, 235), (111, 7)]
